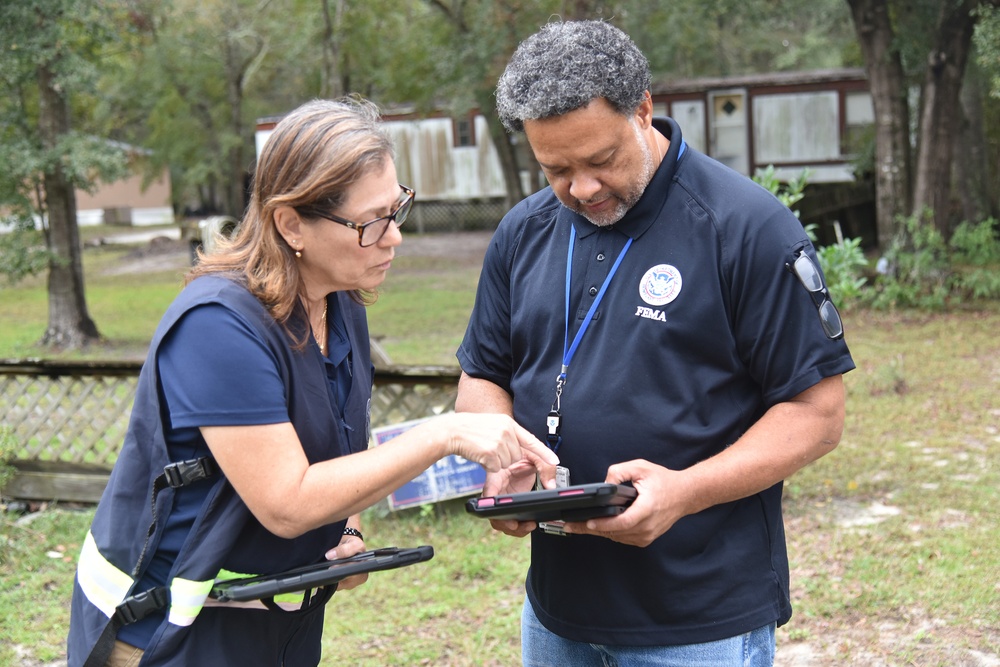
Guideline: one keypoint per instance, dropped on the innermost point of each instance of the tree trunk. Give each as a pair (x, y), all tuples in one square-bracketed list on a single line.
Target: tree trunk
[(234, 191), (234, 188), (972, 170), (939, 122), (331, 81), (505, 150), (70, 326), (893, 166)]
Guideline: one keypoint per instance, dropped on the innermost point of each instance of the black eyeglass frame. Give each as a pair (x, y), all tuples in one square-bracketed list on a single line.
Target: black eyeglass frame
[(406, 203), (833, 326)]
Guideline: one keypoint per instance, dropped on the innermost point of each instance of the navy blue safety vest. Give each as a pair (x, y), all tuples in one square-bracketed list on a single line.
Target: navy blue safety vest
[(127, 528)]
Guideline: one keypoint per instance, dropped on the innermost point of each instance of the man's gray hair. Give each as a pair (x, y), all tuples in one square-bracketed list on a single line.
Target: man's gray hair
[(566, 65)]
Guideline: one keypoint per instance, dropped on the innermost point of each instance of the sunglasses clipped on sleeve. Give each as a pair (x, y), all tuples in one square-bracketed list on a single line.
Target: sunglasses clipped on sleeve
[(807, 273)]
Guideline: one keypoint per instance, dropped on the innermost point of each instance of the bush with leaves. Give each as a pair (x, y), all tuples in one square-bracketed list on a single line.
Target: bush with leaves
[(23, 251), (915, 271), (843, 264), (920, 270), (790, 193), (975, 252)]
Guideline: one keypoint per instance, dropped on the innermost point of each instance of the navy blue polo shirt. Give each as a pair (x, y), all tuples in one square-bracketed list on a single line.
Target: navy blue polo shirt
[(701, 330)]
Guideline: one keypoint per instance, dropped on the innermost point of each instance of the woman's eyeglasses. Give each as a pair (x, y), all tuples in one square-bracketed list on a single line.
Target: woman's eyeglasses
[(369, 233), (809, 276)]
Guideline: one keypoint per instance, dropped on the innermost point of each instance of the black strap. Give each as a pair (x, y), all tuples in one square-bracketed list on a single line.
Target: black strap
[(131, 610), (175, 475), (311, 598), (141, 605)]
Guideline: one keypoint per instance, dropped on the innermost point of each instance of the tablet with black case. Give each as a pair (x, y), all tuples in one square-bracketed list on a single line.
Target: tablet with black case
[(319, 574), (571, 503)]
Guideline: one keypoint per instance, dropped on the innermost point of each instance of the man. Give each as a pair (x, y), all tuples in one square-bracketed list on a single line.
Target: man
[(690, 350)]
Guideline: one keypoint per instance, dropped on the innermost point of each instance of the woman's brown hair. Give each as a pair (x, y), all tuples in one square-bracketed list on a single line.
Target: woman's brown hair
[(313, 155)]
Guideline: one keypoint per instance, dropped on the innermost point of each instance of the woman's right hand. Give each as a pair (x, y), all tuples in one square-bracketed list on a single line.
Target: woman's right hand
[(511, 455), (498, 444), (290, 496)]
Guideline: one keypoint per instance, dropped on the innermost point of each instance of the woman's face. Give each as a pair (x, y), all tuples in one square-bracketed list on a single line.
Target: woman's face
[(332, 260)]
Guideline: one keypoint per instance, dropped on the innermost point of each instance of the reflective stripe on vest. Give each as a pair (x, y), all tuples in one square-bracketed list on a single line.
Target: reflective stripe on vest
[(103, 583), (105, 586), (186, 600)]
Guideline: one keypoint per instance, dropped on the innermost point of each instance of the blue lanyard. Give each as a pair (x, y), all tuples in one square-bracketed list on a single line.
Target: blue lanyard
[(553, 421)]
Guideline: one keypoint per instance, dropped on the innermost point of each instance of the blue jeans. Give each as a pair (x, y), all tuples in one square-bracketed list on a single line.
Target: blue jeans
[(541, 648)]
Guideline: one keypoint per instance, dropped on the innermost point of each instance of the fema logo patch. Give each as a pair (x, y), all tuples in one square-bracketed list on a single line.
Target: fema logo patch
[(660, 285)]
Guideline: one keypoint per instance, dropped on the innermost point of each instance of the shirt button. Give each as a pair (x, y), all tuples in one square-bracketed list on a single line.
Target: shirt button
[(593, 291), (600, 257)]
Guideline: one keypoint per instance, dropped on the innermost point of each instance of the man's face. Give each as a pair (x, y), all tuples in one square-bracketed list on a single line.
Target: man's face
[(597, 161)]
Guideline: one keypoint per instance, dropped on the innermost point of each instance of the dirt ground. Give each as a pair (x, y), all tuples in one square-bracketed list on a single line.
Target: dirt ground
[(862, 641)]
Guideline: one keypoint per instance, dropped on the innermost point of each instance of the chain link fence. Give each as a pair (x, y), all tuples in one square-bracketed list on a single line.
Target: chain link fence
[(456, 216)]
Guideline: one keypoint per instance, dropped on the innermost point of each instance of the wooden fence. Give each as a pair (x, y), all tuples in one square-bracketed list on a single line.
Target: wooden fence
[(61, 423)]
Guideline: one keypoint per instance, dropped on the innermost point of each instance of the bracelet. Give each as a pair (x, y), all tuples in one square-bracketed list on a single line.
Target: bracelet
[(354, 532)]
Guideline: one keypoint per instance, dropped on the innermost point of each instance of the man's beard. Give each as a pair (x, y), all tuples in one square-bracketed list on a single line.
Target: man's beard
[(629, 198)]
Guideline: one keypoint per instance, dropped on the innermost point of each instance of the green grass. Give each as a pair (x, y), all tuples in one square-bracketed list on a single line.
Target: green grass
[(920, 448), (461, 608), (125, 307), (919, 459), (422, 331), (37, 562), (422, 309)]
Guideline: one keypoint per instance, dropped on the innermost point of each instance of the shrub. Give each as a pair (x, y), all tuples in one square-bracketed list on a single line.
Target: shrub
[(975, 258), (788, 194), (843, 264), (920, 270), (914, 271)]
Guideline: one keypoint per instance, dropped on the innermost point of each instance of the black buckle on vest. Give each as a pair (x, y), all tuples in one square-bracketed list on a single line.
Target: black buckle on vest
[(187, 472), (139, 606)]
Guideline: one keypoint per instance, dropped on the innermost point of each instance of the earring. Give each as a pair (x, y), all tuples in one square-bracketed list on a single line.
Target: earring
[(298, 254)]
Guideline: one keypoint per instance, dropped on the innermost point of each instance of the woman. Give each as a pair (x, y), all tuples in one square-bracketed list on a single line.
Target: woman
[(247, 451)]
